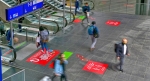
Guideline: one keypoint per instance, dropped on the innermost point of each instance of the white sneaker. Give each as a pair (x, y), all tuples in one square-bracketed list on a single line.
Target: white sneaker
[(42, 51)]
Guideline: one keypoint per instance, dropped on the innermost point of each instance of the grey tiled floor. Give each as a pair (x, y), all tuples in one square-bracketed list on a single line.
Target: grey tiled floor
[(137, 66)]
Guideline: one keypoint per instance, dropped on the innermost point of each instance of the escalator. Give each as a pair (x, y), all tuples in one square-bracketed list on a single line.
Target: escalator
[(50, 13), (50, 24), (8, 53)]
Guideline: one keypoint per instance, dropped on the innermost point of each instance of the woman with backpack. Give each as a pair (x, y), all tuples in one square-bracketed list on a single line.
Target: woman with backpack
[(44, 37), (93, 31), (59, 67)]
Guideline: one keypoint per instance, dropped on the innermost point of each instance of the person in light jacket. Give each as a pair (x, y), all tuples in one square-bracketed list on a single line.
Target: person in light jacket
[(59, 68)]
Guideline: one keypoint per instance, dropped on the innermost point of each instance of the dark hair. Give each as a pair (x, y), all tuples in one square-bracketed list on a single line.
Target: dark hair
[(86, 3), (61, 59), (93, 22), (41, 28)]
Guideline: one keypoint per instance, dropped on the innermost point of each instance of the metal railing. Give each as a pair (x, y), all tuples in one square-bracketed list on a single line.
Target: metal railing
[(10, 55), (17, 76)]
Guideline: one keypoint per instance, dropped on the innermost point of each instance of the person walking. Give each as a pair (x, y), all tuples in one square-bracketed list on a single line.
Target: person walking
[(8, 36), (94, 34), (76, 6), (44, 38), (59, 68), (20, 20), (122, 50), (86, 11)]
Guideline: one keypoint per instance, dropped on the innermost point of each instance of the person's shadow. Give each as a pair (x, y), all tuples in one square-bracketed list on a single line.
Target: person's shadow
[(112, 66)]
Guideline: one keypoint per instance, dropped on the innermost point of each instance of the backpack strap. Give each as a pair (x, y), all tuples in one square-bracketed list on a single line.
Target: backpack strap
[(46, 30)]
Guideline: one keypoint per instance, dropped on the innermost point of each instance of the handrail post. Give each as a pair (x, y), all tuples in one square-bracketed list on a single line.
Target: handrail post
[(26, 35), (0, 64), (11, 30), (39, 18), (70, 9), (63, 15)]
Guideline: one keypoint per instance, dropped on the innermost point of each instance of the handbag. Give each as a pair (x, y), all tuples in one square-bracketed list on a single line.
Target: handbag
[(38, 41)]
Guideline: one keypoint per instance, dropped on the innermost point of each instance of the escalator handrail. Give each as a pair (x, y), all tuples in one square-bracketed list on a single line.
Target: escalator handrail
[(58, 28), (61, 10), (70, 13), (63, 18), (47, 25), (52, 20), (14, 52)]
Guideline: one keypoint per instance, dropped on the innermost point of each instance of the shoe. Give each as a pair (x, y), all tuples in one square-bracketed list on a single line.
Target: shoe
[(47, 52), (42, 51), (121, 70), (91, 49)]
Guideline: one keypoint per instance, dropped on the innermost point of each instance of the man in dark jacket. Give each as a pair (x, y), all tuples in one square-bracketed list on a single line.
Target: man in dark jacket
[(86, 11), (122, 50)]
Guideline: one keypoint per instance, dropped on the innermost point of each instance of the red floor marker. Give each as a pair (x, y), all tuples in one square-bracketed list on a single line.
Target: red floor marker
[(92, 18), (95, 67), (113, 22), (43, 58), (77, 20), (51, 65), (82, 58)]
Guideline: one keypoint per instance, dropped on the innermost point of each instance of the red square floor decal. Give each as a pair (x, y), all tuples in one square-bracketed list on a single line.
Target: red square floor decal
[(77, 20), (95, 67), (43, 58), (113, 22)]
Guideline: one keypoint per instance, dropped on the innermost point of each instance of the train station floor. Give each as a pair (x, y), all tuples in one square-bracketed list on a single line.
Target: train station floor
[(133, 27)]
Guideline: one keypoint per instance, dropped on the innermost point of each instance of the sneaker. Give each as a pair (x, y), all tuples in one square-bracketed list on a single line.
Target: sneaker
[(91, 49), (42, 51), (47, 52), (121, 70)]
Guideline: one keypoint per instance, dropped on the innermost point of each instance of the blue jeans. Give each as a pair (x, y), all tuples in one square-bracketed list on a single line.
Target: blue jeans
[(10, 42), (76, 10), (44, 46)]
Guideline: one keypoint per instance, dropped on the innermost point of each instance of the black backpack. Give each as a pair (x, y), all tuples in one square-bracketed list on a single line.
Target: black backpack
[(115, 47), (95, 33)]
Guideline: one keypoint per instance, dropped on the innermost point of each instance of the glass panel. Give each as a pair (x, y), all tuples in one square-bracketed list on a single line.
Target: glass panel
[(19, 76), (8, 71)]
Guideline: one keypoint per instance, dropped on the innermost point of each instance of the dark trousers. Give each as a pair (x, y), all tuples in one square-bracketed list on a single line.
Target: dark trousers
[(76, 11), (121, 63), (86, 17), (63, 76), (2, 31), (20, 28)]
